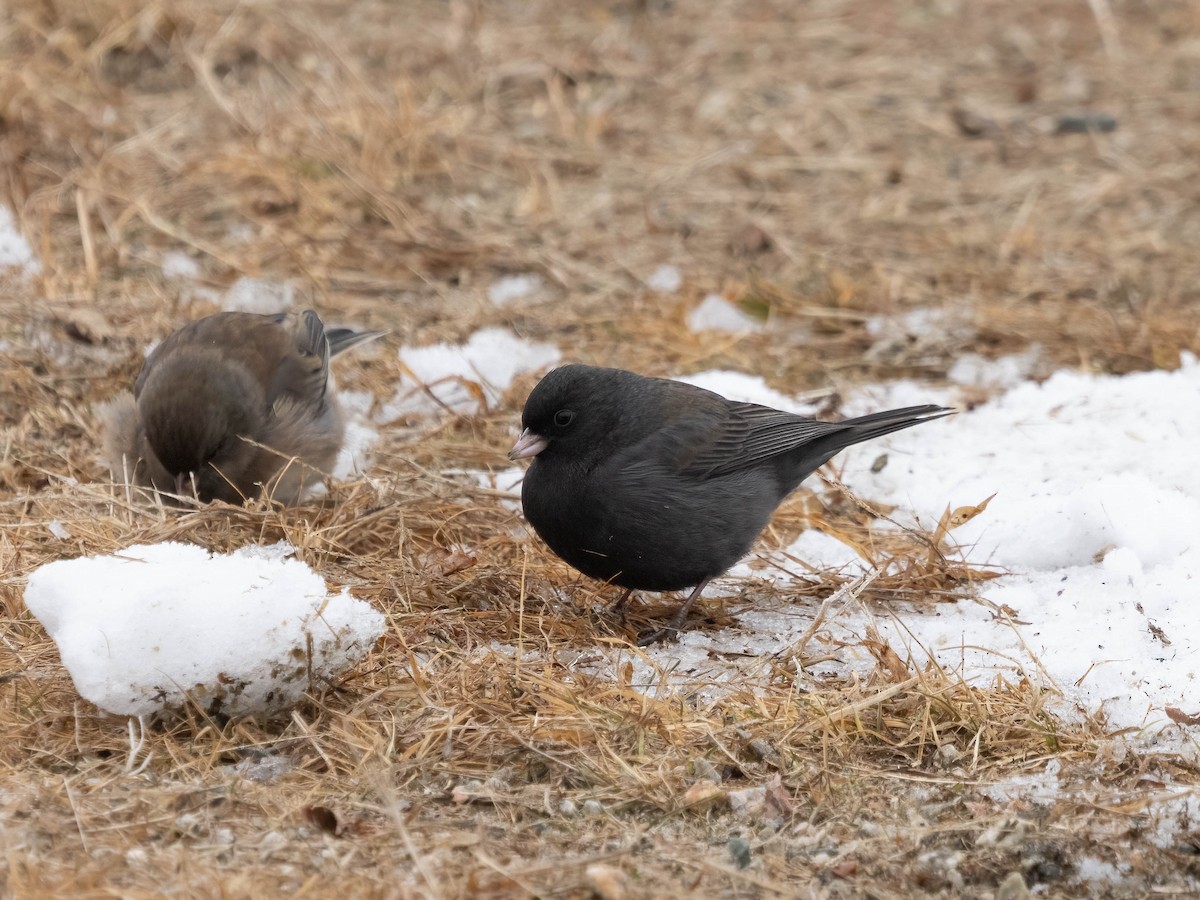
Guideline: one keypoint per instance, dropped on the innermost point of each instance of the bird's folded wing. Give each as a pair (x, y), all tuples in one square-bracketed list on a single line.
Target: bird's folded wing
[(302, 373), (749, 434)]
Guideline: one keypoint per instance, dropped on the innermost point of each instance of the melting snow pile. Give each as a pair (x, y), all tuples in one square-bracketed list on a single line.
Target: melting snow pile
[(177, 264), (15, 252), (1096, 517), (715, 313), (746, 389), (257, 295), (355, 456), (665, 280), (154, 626), (465, 378), (514, 287)]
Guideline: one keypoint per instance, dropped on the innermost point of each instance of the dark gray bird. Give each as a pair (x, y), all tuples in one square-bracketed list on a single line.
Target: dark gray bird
[(658, 485), (229, 403)]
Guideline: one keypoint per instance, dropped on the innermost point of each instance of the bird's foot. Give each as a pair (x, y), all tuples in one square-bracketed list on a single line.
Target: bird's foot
[(676, 624), (647, 638)]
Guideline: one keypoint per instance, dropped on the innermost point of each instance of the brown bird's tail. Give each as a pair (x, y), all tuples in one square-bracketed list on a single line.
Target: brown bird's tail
[(343, 339)]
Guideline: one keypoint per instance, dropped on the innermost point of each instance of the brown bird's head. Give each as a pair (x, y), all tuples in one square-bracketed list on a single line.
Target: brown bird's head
[(195, 409)]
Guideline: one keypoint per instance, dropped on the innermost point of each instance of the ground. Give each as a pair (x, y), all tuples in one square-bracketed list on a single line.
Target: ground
[(819, 164)]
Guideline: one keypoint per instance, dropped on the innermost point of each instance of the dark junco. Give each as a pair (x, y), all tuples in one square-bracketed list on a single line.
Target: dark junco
[(658, 485), (230, 402)]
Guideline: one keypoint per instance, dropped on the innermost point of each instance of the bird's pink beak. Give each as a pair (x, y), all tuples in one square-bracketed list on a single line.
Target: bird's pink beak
[(528, 445)]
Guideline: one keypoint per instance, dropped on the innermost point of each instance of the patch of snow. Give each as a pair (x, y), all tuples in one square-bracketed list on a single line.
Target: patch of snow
[(746, 389), (177, 264), (1095, 517), (514, 287), (155, 626), (242, 232), (58, 529), (15, 252), (822, 552), (507, 481), (665, 280), (257, 295), (924, 322), (1079, 464), (973, 370), (1094, 870), (1040, 787), (464, 378), (361, 436), (1175, 817), (715, 313)]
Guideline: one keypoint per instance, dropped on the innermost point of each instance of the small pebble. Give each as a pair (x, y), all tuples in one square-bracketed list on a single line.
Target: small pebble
[(705, 771), (762, 749), (947, 755), (748, 802), (739, 849), (1084, 124)]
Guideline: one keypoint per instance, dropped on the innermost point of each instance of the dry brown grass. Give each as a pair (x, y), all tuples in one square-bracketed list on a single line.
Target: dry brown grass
[(391, 160)]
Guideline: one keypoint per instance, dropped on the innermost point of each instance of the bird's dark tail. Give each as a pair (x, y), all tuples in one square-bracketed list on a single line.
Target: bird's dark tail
[(311, 329), (864, 428), (343, 339)]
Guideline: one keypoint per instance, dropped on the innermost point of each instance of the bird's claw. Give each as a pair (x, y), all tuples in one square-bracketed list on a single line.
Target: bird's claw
[(647, 638)]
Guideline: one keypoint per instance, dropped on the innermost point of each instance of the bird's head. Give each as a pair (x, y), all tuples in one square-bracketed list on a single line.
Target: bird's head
[(575, 412), (195, 414)]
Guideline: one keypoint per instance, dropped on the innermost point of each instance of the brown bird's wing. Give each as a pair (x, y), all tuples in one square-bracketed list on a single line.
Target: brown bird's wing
[(302, 373), (340, 339), (285, 353)]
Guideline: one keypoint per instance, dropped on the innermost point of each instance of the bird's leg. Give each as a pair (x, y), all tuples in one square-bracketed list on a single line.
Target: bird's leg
[(673, 626), (619, 606)]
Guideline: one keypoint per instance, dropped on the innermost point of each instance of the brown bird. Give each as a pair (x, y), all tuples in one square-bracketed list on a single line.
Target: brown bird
[(232, 404)]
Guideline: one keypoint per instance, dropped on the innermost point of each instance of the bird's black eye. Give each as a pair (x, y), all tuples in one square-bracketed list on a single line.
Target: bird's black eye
[(564, 417)]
